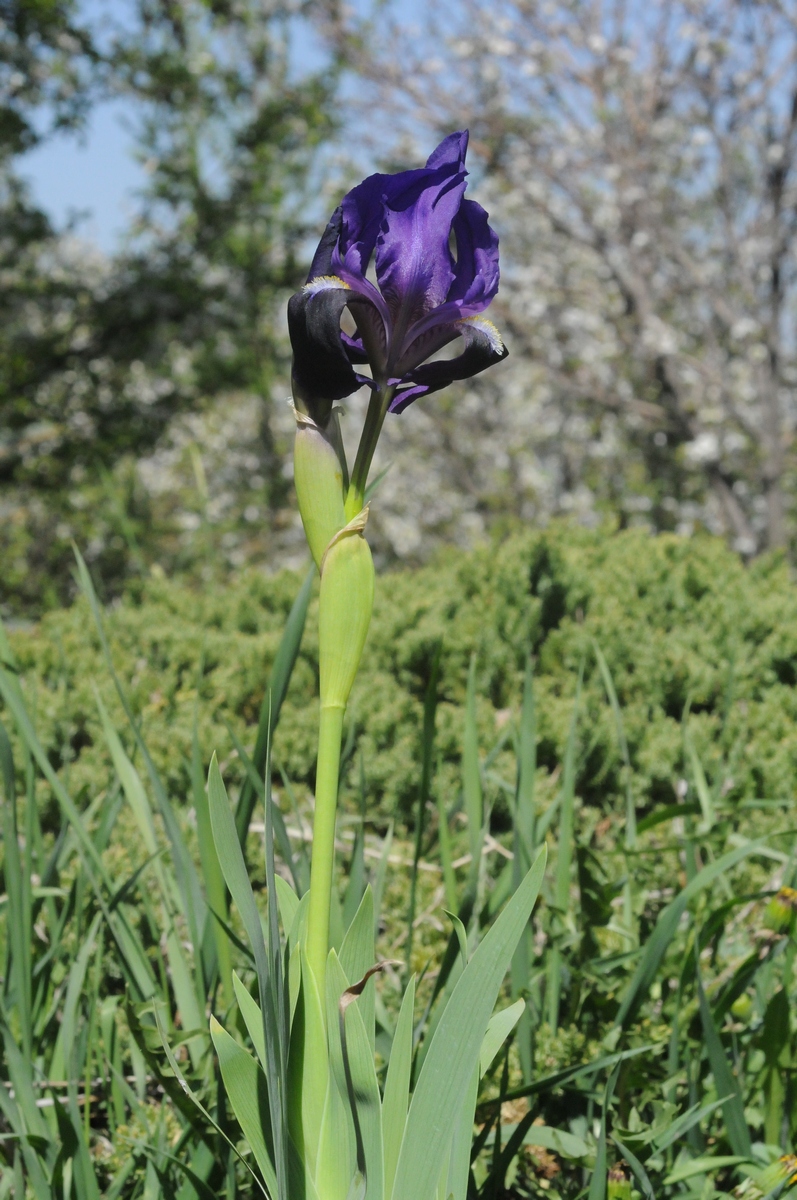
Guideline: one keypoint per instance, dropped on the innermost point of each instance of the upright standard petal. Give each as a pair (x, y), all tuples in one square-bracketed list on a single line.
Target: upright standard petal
[(361, 215), (476, 274), (474, 286), (451, 151), (414, 267)]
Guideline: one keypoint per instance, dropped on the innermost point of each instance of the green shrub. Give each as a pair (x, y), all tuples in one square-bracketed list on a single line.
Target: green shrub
[(685, 626)]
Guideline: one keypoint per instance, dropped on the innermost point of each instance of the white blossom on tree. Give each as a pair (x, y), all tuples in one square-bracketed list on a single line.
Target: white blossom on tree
[(639, 163)]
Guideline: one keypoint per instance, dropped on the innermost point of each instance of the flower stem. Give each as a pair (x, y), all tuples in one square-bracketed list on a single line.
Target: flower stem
[(374, 420), (323, 859)]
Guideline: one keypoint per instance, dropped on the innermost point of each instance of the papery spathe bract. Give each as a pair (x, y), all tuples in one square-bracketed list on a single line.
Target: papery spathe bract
[(346, 601), (319, 476)]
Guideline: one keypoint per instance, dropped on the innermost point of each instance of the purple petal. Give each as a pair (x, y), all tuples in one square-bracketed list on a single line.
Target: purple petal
[(473, 288), (476, 274), (372, 332), (322, 259), (361, 215), (321, 371), (355, 351), (414, 266), (483, 347), (434, 337), (450, 152)]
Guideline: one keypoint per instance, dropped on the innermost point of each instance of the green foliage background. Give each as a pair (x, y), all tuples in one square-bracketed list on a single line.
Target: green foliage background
[(701, 650), (698, 645)]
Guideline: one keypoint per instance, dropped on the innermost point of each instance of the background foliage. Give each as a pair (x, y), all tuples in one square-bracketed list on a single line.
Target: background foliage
[(639, 168), (702, 650), (655, 762)]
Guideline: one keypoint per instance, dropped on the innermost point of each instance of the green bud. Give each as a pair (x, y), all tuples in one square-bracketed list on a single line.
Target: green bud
[(319, 475), (742, 1008), (347, 597), (618, 1183), (780, 912)]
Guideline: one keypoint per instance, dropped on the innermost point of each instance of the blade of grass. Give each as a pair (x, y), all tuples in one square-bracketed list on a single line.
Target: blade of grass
[(724, 1080), (630, 807), (446, 855), (597, 1187), (276, 691), (131, 951), (258, 782), (19, 923), (185, 873), (211, 867), (380, 876), (397, 1086), (471, 770), (656, 946), (454, 1052), (427, 764), (232, 863), (194, 1099), (355, 887), (248, 1094), (639, 1171), (523, 840), (704, 796), (564, 860)]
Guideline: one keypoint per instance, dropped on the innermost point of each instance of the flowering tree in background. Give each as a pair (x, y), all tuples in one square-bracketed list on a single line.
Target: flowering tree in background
[(640, 167), (136, 412), (637, 164)]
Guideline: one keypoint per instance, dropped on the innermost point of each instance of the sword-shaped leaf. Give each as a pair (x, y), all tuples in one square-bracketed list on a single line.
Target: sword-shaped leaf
[(454, 1053)]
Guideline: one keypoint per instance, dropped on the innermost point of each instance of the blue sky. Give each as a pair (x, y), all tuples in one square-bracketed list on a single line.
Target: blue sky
[(95, 174), (93, 177)]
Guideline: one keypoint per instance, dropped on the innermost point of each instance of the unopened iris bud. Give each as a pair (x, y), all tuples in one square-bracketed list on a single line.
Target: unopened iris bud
[(347, 597), (319, 476), (781, 911), (618, 1183)]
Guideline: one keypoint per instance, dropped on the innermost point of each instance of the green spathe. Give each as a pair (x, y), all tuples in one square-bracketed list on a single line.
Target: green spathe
[(347, 598), (319, 478)]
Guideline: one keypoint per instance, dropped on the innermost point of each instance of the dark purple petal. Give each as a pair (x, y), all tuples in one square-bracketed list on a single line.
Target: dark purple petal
[(450, 152), (476, 274), (435, 336), (474, 287), (362, 209), (321, 371), (322, 259), (361, 215), (372, 332), (355, 350), (483, 348)]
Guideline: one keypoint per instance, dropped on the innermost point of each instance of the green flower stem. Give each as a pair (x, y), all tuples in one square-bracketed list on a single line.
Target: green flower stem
[(323, 859), (374, 420)]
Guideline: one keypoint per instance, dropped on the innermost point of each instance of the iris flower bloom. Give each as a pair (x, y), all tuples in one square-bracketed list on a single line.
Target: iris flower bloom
[(424, 297)]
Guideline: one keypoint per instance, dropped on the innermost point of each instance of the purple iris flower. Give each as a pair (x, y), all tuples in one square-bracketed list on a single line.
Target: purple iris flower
[(424, 297)]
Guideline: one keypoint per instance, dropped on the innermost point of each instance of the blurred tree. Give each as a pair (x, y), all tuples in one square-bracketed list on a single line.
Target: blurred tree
[(98, 357), (640, 165), (47, 57)]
